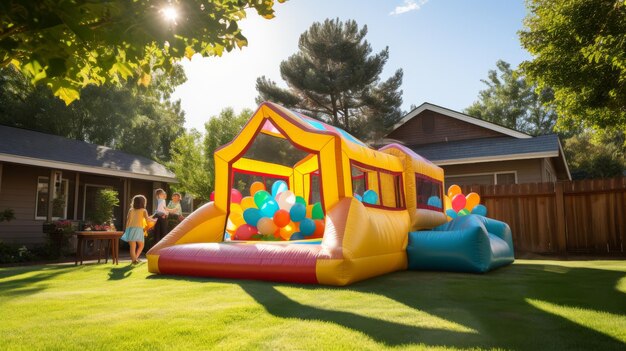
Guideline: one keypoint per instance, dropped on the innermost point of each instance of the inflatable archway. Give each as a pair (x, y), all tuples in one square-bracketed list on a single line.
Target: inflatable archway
[(369, 199)]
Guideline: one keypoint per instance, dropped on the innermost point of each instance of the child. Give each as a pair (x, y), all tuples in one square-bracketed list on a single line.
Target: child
[(160, 228), (134, 227), (174, 206)]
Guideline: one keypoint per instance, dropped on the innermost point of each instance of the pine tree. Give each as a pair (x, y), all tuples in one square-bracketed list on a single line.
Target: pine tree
[(335, 77)]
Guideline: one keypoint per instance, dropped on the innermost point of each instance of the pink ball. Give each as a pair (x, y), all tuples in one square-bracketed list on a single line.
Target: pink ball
[(458, 202), (245, 232), (235, 196), (212, 196)]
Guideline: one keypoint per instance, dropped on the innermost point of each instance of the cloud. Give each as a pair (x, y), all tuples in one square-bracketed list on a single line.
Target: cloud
[(409, 5)]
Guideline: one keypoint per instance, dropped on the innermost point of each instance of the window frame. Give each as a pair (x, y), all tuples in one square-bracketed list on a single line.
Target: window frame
[(418, 205), (494, 174), (378, 171), (47, 179)]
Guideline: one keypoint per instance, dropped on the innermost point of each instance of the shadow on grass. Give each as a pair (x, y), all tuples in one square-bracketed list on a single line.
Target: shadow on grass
[(495, 305), (31, 283), (119, 273)]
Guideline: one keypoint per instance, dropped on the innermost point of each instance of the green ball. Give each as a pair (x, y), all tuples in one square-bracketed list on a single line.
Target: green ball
[(300, 200), (317, 212), (464, 212)]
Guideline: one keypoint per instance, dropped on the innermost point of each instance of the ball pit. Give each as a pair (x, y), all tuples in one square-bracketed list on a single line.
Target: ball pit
[(275, 215)]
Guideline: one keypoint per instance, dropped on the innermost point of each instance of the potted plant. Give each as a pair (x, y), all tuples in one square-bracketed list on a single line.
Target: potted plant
[(101, 218)]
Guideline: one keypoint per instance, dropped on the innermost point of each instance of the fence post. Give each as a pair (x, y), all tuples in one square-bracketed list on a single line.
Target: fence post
[(561, 236)]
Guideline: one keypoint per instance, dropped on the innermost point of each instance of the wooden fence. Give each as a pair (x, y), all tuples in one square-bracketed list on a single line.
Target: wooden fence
[(570, 217)]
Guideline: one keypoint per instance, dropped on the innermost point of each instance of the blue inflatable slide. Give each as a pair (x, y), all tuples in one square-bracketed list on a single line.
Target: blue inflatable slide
[(469, 243)]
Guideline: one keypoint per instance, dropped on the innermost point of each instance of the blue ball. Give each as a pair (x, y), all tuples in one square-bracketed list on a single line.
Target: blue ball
[(297, 212), (451, 213), (480, 210), (252, 216), (307, 227), (269, 208), (296, 236), (434, 201), (358, 197), (278, 187), (370, 197)]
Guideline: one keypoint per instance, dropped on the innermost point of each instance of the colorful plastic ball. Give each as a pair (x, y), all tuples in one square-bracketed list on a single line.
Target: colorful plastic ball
[(278, 187), (370, 197), (288, 230), (358, 197), (300, 200), (447, 202), (451, 213), (247, 202), (453, 190), (281, 218), (256, 187), (245, 232), (236, 208), (320, 226), (269, 208), (480, 210), (458, 202), (317, 212), (309, 211), (464, 212), (252, 216), (235, 196), (434, 201), (297, 212), (286, 200), (266, 226), (260, 197), (212, 196), (471, 200), (307, 227), (297, 236)]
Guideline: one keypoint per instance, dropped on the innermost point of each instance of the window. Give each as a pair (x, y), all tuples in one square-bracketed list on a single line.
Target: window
[(315, 191), (386, 186), (243, 179), (59, 202), (482, 178), (505, 178), (429, 193)]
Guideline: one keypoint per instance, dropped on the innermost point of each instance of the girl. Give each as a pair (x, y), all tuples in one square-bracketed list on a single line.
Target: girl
[(134, 227)]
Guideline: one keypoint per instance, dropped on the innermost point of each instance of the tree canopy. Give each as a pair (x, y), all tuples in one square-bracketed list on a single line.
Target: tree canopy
[(579, 50), (192, 153), (70, 44), (335, 77), (510, 101), (129, 117)]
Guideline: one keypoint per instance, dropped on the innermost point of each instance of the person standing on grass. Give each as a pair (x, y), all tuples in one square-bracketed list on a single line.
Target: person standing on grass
[(134, 227), (160, 229)]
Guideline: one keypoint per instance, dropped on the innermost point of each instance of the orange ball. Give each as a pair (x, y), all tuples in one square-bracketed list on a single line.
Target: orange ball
[(256, 186), (281, 218), (320, 226), (287, 231)]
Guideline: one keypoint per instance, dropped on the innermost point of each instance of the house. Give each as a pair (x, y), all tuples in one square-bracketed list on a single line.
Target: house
[(474, 151), (32, 163)]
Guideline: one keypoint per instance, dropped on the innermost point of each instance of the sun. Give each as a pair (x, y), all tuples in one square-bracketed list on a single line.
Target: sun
[(170, 14)]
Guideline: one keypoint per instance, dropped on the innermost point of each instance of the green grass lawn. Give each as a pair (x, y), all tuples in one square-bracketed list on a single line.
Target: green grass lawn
[(531, 305)]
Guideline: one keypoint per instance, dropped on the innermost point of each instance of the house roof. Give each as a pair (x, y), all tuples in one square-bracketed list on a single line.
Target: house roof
[(46, 150), (494, 149), (462, 117)]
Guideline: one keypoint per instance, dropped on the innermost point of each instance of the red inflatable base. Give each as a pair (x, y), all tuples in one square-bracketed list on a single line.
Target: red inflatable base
[(274, 262)]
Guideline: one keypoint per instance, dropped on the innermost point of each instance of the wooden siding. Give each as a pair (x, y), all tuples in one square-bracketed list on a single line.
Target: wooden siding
[(566, 217), (431, 127), (528, 171), (18, 190)]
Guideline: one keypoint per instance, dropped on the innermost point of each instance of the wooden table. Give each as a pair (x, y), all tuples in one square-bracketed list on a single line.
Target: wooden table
[(111, 237)]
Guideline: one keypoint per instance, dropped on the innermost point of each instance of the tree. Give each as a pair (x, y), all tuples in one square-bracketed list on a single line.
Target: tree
[(579, 50), (132, 118), (192, 155), (510, 101), (335, 77), (598, 154), (68, 45)]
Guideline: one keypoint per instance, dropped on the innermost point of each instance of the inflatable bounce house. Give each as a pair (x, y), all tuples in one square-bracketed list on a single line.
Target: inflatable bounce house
[(297, 200)]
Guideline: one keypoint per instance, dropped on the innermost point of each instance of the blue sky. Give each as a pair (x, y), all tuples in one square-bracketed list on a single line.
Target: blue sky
[(445, 48)]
